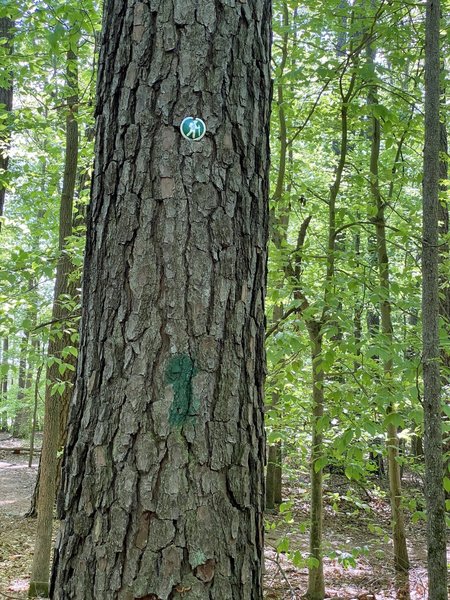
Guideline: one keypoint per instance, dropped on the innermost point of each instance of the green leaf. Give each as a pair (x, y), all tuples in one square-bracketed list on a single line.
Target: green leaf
[(353, 472), (394, 418), (275, 436), (320, 463), (283, 546)]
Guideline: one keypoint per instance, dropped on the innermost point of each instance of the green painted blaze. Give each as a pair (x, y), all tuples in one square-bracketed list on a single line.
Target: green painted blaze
[(179, 374)]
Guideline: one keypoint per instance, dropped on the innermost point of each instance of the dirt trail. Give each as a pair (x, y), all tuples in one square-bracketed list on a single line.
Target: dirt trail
[(371, 578), (16, 478)]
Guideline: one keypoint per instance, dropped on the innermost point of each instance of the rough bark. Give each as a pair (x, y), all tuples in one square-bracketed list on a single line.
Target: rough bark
[(163, 477), (54, 402), (6, 99), (434, 494)]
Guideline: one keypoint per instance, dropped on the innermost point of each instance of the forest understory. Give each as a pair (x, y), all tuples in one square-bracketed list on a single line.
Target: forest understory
[(356, 527)]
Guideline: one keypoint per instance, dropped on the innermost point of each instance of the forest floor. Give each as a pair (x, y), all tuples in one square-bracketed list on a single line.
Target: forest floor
[(353, 520)]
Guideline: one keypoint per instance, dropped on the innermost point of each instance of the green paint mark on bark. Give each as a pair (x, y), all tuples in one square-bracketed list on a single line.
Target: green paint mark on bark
[(179, 373)]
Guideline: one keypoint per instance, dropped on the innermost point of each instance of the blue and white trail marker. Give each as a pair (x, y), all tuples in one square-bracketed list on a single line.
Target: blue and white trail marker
[(192, 128)]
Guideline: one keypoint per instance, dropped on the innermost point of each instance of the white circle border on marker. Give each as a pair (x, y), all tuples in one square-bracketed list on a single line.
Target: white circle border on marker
[(193, 119)]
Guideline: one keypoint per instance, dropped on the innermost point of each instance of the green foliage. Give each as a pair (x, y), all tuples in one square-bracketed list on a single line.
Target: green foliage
[(42, 36), (321, 67), (318, 48)]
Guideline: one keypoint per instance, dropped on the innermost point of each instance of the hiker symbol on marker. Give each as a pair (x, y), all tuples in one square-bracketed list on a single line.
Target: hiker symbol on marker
[(193, 129)]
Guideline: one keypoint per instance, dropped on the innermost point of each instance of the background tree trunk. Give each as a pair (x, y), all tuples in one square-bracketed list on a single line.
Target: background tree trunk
[(6, 98), (4, 382), (444, 281), (279, 227), (434, 493), (274, 454), (59, 340), (401, 561), (163, 478), (273, 475), (316, 581), (22, 417)]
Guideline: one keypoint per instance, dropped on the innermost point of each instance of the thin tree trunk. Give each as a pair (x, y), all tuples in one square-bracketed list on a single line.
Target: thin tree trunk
[(444, 281), (35, 409), (75, 284), (274, 456), (21, 424), (358, 311), (274, 470), (273, 476), (279, 226), (316, 581), (4, 381), (434, 493), (6, 98), (163, 470), (316, 589), (54, 401), (401, 561)]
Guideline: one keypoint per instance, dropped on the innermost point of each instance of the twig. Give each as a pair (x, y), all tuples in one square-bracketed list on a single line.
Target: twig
[(283, 574), (276, 325)]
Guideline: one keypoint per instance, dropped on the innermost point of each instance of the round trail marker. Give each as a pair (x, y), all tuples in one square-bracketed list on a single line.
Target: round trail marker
[(192, 128)]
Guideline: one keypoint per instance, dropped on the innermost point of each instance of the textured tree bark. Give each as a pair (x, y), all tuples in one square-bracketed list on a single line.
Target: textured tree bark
[(6, 98), (434, 494), (163, 476), (54, 402)]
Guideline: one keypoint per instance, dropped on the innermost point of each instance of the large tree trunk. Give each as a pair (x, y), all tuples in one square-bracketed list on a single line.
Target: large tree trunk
[(163, 477), (434, 494), (59, 340)]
